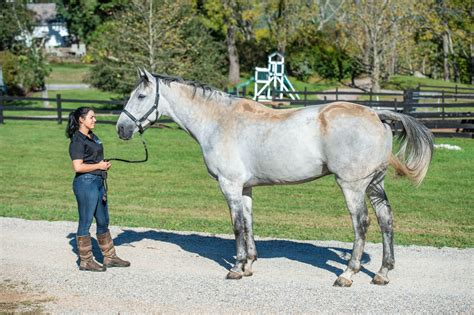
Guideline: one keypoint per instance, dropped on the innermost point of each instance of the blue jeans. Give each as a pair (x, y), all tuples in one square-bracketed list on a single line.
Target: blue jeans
[(89, 190)]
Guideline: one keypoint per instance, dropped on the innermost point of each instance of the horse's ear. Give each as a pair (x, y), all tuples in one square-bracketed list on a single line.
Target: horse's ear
[(148, 76), (140, 72)]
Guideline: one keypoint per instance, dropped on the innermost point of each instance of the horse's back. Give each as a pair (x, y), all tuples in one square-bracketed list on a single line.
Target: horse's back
[(283, 146)]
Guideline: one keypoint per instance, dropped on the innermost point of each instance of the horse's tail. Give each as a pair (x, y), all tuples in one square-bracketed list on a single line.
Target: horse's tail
[(416, 146)]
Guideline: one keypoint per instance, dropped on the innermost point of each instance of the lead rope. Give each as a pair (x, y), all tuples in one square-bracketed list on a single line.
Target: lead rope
[(132, 161), (104, 176)]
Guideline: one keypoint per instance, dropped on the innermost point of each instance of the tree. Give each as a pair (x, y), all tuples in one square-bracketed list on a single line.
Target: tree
[(162, 36), (84, 16), (15, 19), (448, 26), (374, 28), (23, 60), (234, 19)]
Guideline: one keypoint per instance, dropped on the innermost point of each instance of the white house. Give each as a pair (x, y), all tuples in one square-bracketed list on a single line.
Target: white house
[(52, 31)]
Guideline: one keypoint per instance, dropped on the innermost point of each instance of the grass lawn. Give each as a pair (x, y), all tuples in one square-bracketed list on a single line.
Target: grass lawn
[(173, 191), (403, 82), (68, 73)]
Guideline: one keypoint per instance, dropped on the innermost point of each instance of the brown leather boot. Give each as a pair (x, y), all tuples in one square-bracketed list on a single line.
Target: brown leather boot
[(108, 250), (84, 247)]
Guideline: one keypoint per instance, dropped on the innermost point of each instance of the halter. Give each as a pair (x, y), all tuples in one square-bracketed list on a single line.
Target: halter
[(138, 122)]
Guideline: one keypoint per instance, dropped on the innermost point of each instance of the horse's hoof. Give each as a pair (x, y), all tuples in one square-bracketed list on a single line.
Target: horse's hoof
[(380, 280), (342, 282), (234, 275), (248, 273)]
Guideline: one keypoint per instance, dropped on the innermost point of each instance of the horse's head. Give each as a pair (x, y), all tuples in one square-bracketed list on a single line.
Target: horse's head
[(141, 110)]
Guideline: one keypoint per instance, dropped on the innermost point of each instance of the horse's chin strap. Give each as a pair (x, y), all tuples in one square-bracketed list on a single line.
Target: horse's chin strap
[(139, 122)]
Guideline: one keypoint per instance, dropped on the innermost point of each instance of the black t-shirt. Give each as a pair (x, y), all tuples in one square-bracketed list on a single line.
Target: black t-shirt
[(90, 150)]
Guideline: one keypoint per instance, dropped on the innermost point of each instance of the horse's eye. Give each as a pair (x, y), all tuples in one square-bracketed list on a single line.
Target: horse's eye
[(141, 96)]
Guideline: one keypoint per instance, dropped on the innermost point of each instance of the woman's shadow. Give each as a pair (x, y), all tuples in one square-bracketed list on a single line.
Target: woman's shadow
[(222, 250)]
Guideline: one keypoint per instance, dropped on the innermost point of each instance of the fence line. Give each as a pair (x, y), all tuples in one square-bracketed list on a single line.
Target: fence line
[(410, 101)]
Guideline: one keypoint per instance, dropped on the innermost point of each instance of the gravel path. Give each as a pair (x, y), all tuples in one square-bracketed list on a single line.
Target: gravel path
[(184, 272), (61, 86)]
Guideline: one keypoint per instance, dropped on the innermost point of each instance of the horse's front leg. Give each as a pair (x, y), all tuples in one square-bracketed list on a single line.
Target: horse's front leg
[(233, 194), (248, 230)]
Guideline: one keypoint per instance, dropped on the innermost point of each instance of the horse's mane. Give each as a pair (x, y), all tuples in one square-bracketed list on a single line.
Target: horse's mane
[(204, 88)]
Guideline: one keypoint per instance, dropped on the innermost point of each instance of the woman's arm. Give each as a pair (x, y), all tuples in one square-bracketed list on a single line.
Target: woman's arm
[(80, 167)]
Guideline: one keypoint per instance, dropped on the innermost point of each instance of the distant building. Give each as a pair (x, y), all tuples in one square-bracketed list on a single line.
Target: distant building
[(52, 31), (48, 26)]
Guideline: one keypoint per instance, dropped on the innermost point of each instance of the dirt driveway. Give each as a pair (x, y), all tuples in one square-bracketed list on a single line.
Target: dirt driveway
[(177, 272)]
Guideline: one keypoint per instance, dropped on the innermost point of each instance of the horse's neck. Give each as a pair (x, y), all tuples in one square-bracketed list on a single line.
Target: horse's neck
[(191, 110)]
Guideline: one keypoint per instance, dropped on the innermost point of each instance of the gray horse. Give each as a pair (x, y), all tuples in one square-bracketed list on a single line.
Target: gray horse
[(246, 144)]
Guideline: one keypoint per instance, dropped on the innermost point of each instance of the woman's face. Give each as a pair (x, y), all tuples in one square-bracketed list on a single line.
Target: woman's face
[(89, 120)]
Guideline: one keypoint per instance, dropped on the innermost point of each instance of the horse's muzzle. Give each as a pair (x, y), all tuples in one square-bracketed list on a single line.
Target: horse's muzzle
[(125, 132)]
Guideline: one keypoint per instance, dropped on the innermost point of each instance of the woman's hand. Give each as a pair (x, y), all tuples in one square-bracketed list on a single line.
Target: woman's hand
[(104, 165)]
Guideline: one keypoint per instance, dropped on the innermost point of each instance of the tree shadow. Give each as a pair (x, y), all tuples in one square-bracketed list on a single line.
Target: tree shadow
[(222, 250)]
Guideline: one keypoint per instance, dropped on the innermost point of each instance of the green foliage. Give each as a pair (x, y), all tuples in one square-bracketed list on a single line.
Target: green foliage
[(9, 64), (24, 72), (319, 55), (14, 21), (25, 67), (161, 36), (323, 60), (33, 69), (83, 17)]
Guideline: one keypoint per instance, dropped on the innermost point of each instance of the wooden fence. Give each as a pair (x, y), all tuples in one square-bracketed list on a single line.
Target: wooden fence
[(447, 111)]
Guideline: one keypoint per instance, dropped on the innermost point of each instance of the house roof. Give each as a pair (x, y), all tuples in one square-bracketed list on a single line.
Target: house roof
[(44, 12)]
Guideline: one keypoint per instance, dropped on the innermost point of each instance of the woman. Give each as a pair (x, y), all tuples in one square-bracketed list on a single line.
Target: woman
[(87, 155)]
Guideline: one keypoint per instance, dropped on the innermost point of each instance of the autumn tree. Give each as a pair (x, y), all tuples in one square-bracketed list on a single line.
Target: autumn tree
[(447, 33), (375, 28), (233, 21), (287, 20), (161, 35)]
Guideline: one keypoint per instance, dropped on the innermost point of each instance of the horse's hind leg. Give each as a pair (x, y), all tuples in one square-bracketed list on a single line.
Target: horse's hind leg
[(248, 230), (379, 201), (354, 193), (233, 194)]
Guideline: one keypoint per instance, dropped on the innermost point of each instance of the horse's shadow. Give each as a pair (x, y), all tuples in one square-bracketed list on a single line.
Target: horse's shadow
[(221, 250)]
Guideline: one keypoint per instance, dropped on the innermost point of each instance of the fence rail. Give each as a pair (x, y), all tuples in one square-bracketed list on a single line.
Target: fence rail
[(416, 103)]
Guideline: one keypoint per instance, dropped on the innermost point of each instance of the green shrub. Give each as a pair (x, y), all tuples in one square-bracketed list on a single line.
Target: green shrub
[(10, 67), (24, 72)]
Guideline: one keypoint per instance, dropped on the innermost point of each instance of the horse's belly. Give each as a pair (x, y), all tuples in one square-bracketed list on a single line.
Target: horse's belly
[(291, 168)]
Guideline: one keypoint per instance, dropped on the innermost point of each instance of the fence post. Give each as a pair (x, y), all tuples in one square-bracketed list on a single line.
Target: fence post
[(1, 107), (395, 103), (244, 91), (456, 93), (442, 103), (305, 95), (405, 101), (370, 98), (58, 108), (337, 96), (273, 94)]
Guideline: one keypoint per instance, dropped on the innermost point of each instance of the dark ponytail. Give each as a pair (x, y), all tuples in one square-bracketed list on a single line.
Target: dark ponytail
[(73, 121)]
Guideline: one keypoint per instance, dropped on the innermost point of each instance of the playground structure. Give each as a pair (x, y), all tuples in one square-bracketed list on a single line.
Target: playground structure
[(273, 78)]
